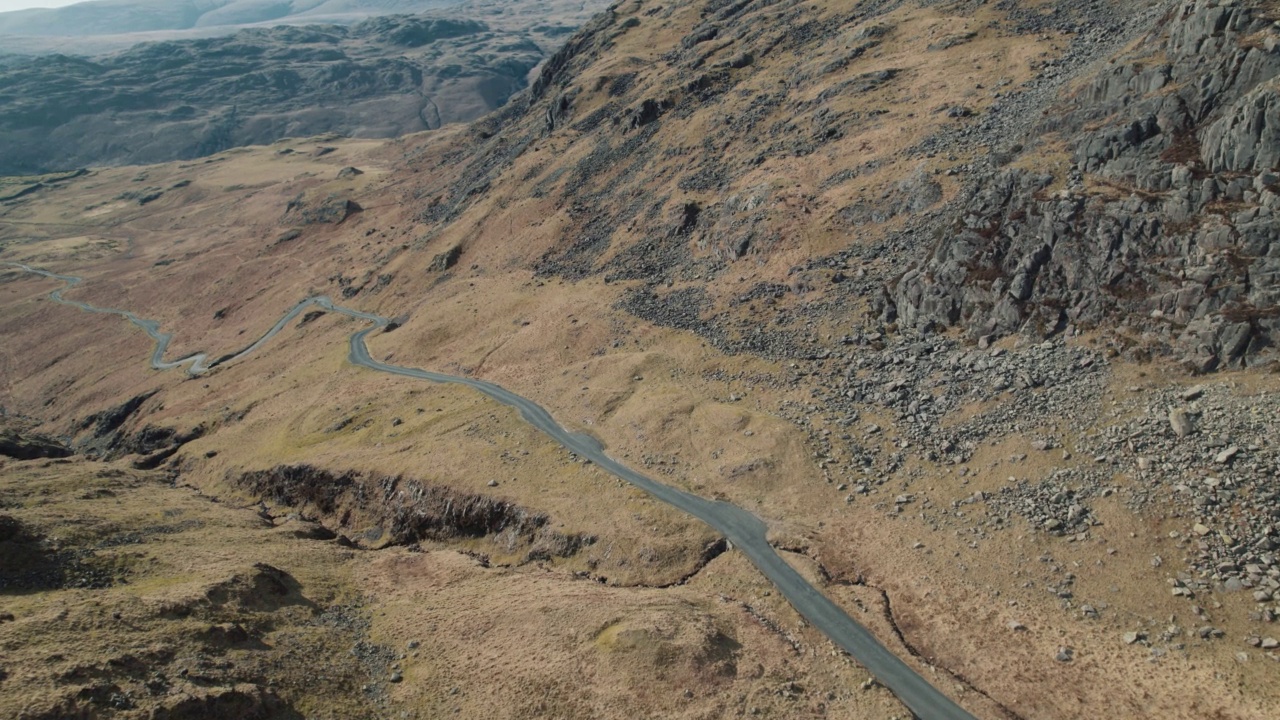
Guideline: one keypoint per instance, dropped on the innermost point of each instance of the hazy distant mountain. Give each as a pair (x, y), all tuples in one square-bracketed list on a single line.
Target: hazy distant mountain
[(382, 77), (107, 17)]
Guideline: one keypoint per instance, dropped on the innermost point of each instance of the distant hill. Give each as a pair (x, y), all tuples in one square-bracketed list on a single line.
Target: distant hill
[(107, 17), (160, 101)]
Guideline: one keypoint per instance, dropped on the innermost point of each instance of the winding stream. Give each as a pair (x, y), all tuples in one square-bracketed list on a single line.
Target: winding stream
[(745, 531)]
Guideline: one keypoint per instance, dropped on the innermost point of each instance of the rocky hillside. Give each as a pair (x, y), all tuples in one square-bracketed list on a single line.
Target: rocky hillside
[(161, 101), (1092, 165), (1165, 219), (919, 283)]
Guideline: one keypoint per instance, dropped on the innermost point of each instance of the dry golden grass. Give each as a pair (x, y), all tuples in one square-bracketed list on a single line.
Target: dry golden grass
[(323, 630), (530, 630), (565, 346)]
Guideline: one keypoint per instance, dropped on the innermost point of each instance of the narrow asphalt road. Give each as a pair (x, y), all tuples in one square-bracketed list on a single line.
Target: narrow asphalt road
[(745, 531)]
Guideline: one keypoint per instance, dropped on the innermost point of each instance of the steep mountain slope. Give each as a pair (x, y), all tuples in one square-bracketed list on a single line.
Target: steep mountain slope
[(161, 101), (772, 134), (828, 261)]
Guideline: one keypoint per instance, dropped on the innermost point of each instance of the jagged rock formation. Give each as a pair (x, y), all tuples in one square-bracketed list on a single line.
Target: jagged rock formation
[(1168, 221)]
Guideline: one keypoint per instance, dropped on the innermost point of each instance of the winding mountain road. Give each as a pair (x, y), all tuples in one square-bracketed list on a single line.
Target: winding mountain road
[(745, 531)]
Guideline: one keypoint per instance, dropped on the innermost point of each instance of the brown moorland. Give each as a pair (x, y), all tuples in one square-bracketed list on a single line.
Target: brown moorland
[(1035, 549)]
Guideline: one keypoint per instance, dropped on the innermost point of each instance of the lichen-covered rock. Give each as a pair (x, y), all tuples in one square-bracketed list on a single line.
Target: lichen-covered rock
[(1246, 138), (1167, 222)]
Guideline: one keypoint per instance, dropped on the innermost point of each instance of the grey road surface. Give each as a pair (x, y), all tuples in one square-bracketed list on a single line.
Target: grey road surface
[(745, 531)]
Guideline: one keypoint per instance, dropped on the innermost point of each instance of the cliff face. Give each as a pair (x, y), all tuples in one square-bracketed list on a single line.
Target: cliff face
[(1167, 220)]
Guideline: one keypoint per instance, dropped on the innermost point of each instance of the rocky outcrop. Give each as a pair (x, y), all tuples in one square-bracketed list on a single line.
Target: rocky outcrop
[(330, 210), (386, 510), (104, 435), (106, 422), (558, 68), (1246, 139), (21, 446), (447, 259), (1167, 222)]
